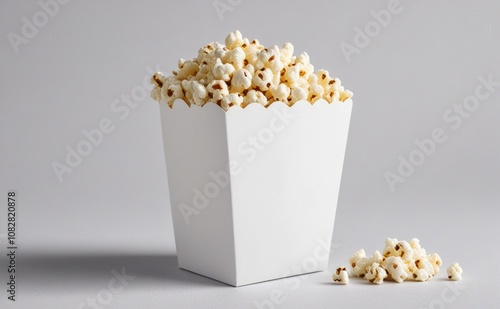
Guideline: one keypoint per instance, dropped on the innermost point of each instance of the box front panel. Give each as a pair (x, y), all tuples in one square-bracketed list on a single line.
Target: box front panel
[(285, 192)]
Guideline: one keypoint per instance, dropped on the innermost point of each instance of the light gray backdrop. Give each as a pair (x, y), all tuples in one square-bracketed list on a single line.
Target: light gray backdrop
[(68, 68)]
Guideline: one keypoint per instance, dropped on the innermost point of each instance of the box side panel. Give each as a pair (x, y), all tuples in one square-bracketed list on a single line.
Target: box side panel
[(285, 193), (197, 167)]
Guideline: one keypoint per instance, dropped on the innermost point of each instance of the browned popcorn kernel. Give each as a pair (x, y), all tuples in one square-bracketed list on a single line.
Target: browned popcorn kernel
[(341, 275)]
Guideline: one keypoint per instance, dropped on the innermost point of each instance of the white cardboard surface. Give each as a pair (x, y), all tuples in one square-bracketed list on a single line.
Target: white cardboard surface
[(275, 215)]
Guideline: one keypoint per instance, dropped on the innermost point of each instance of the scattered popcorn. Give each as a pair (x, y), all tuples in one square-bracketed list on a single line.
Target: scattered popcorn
[(359, 262), (421, 275), (435, 261), (395, 267), (375, 273), (400, 260), (454, 272), (246, 72), (341, 275)]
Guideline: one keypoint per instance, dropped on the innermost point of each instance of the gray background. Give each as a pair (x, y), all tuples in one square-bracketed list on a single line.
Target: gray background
[(112, 211)]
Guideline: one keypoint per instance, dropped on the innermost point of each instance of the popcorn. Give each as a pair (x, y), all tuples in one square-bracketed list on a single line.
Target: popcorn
[(400, 261), (345, 94), (280, 92), (222, 70), (263, 79), (236, 57), (395, 266), (359, 261), (234, 39), (299, 94), (254, 73), (454, 272), (421, 275), (404, 250), (341, 275), (291, 76), (375, 273), (390, 244), (286, 53), (436, 262), (186, 69), (251, 50), (315, 92), (253, 96), (156, 93), (271, 58), (377, 257), (170, 93), (231, 100), (217, 89), (199, 93), (242, 79)]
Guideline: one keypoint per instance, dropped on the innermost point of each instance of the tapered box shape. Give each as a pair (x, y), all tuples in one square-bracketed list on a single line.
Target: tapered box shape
[(254, 191)]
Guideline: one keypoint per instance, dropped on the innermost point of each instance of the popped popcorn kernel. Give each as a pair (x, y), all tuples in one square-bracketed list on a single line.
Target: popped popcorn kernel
[(254, 96), (358, 262), (251, 71), (217, 89), (234, 39), (222, 70), (263, 79), (242, 79), (395, 267), (341, 275), (170, 93), (375, 273), (231, 100), (280, 92), (299, 94), (236, 58), (454, 272)]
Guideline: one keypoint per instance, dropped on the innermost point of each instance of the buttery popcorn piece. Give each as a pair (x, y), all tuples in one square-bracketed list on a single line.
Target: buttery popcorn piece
[(395, 267), (454, 272), (242, 80), (341, 275), (253, 96), (231, 100), (359, 261), (375, 273), (217, 89)]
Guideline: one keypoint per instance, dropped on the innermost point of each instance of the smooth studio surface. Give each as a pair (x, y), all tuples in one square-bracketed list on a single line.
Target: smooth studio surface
[(80, 141)]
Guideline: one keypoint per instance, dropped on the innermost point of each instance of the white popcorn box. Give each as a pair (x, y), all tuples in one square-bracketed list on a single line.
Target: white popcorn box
[(254, 191)]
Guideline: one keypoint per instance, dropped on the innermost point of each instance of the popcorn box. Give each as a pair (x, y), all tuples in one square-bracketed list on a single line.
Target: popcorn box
[(254, 190)]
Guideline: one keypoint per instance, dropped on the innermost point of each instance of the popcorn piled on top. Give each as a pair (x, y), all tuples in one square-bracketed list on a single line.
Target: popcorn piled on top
[(243, 72), (400, 261)]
